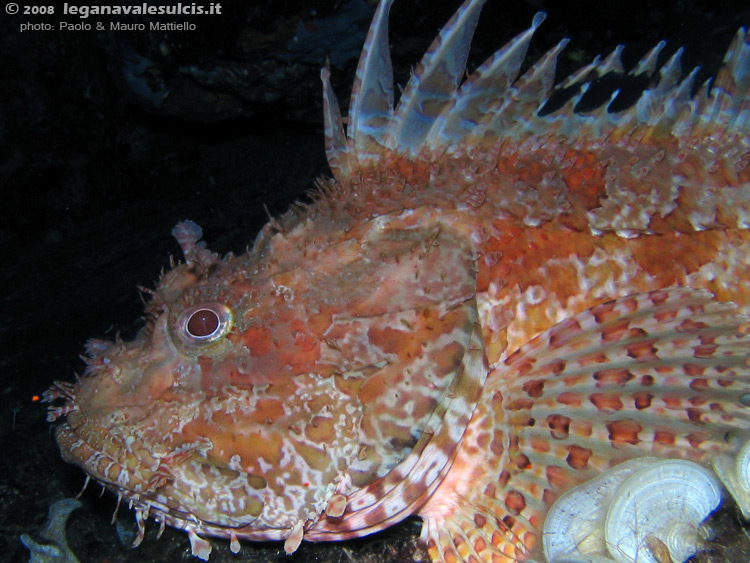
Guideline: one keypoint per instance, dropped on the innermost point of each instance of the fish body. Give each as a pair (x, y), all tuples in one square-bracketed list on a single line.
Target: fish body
[(483, 308)]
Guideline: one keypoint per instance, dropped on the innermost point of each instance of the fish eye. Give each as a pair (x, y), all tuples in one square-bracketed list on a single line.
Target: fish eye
[(204, 323)]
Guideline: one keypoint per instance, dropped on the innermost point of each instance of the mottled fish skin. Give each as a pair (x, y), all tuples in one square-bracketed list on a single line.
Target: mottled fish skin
[(482, 308)]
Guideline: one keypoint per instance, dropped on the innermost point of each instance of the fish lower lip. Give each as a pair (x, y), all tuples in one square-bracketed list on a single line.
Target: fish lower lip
[(76, 449), (150, 482)]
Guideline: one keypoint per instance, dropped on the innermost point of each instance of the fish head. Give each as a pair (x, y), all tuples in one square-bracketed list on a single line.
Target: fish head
[(214, 410), (263, 393)]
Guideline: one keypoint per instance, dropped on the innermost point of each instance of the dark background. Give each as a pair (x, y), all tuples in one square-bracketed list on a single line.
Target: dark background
[(222, 125)]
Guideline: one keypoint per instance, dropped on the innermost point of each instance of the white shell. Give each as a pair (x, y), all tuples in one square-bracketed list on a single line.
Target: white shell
[(660, 505), (735, 474), (574, 526)]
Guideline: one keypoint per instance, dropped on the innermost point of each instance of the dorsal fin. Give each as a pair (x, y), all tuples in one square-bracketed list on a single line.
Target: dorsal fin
[(437, 112), (371, 104), (514, 115), (335, 138)]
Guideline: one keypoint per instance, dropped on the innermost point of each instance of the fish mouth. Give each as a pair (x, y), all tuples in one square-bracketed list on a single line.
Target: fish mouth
[(165, 489), (174, 483), (75, 448), (93, 449)]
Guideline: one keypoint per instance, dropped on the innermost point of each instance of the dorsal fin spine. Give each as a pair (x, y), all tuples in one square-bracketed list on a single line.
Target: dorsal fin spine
[(335, 138), (371, 106), (517, 113), (433, 86), (729, 98)]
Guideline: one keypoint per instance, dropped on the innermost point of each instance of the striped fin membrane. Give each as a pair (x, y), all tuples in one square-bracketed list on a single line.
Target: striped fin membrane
[(662, 374)]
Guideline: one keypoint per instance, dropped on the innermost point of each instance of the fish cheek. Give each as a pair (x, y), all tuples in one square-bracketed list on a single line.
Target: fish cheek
[(217, 495), (401, 397), (253, 446), (297, 435)]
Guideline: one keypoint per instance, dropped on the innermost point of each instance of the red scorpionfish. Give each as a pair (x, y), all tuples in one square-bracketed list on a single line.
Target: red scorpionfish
[(484, 308)]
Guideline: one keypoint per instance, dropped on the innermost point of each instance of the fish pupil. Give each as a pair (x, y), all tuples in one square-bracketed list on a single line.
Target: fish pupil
[(202, 323)]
